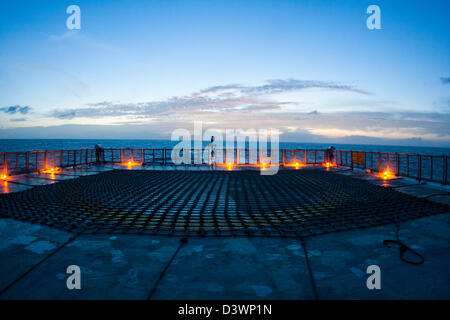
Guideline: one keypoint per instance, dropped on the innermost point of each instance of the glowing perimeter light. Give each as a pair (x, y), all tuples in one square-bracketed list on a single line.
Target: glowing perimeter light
[(386, 175), (328, 164), (51, 170), (130, 164)]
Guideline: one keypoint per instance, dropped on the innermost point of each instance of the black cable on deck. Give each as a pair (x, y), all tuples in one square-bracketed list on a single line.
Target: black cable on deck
[(182, 242), (402, 248)]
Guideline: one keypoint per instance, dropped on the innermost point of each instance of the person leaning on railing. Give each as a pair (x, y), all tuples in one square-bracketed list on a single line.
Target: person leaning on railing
[(99, 151)]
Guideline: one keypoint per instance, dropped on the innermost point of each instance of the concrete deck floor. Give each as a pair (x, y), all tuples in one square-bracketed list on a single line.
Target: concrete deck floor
[(34, 258)]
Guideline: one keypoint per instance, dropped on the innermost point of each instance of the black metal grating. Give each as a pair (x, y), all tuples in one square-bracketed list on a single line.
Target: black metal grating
[(215, 203)]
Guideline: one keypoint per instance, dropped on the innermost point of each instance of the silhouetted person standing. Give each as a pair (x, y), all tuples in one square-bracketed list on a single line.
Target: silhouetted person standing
[(99, 152), (330, 154), (212, 152)]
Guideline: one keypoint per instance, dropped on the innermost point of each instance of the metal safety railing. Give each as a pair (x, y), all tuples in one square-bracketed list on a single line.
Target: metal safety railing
[(31, 161), (419, 166)]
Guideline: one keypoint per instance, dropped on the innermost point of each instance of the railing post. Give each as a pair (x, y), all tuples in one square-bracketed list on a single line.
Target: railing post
[(365, 160), (419, 167), (351, 159), (371, 160), (45, 159), (379, 161), (397, 159), (407, 165), (431, 168), (444, 170), (27, 161), (74, 158), (5, 164), (61, 155)]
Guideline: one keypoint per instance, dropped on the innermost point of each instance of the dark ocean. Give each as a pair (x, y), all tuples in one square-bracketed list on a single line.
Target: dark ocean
[(10, 145)]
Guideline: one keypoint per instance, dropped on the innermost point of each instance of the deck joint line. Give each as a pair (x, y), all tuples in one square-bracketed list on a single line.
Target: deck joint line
[(21, 183), (51, 254), (308, 264)]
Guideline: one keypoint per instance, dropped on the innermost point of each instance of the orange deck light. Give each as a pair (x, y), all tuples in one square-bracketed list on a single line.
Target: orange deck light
[(130, 164), (296, 164), (51, 170), (386, 175), (328, 164)]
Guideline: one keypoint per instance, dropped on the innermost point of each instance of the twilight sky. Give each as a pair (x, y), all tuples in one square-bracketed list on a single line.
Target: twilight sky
[(312, 69)]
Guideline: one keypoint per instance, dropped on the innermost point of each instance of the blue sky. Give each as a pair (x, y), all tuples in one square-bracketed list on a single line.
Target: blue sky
[(309, 68)]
